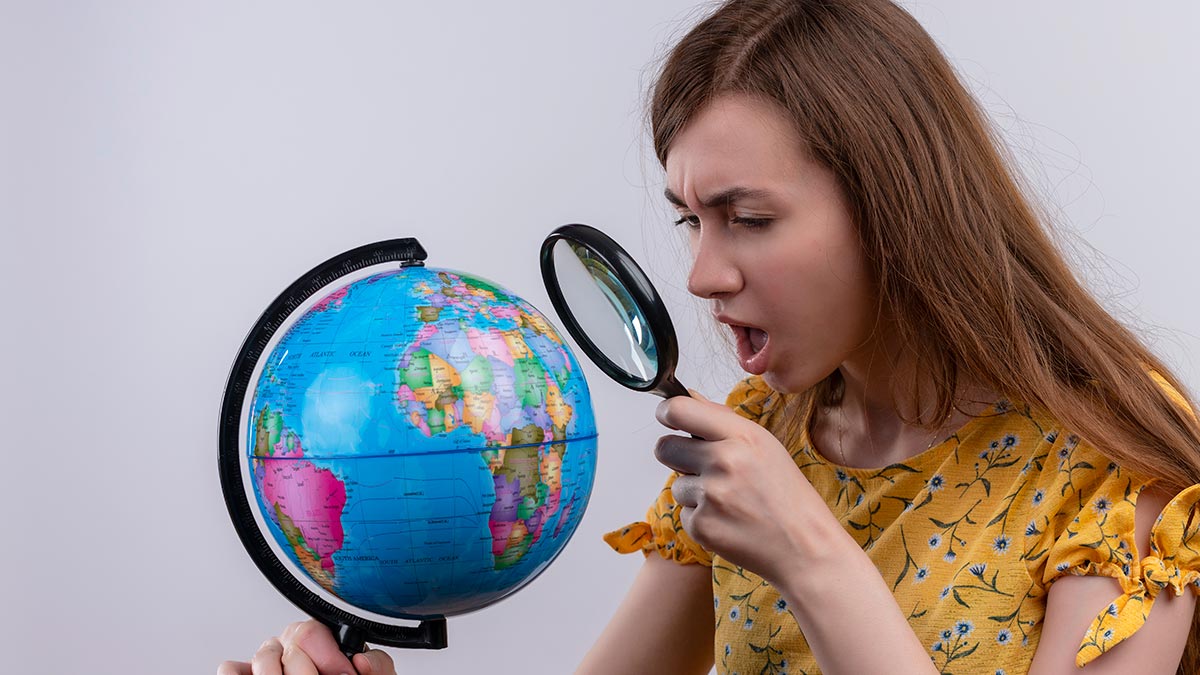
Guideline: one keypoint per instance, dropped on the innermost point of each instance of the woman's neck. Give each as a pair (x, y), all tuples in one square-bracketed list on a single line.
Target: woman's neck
[(867, 428)]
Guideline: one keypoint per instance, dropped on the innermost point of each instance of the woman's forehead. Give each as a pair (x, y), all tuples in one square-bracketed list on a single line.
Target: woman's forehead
[(734, 148)]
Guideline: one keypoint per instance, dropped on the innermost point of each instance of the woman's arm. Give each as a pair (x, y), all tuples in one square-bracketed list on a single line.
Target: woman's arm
[(1074, 602), (838, 598), (742, 496), (664, 624)]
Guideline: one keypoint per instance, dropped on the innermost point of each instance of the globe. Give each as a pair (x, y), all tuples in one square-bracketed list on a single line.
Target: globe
[(418, 442)]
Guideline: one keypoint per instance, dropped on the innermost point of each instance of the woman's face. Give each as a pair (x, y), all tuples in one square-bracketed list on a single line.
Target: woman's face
[(773, 243)]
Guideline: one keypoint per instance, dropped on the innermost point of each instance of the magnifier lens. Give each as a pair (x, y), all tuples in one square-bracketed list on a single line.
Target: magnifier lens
[(596, 297)]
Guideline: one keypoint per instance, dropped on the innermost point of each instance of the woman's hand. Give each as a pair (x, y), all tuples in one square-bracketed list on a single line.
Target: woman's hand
[(742, 495), (308, 648)]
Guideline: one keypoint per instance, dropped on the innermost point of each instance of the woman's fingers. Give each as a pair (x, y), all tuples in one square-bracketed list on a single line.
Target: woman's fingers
[(307, 648), (268, 660), (234, 668), (316, 642), (296, 662), (684, 455), (374, 662), (699, 417), (687, 490)]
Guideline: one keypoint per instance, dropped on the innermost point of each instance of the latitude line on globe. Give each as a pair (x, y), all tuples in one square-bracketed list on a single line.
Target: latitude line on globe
[(435, 452)]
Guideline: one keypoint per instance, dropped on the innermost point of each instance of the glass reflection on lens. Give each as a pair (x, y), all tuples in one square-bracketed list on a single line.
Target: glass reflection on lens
[(605, 311)]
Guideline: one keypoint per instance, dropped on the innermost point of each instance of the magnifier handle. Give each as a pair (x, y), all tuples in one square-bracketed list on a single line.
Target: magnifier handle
[(670, 388)]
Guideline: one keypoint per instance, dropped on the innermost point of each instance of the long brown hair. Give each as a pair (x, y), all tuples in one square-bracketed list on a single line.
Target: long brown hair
[(973, 281)]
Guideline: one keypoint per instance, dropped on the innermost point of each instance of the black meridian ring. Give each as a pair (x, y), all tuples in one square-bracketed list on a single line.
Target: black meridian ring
[(352, 632), (644, 296)]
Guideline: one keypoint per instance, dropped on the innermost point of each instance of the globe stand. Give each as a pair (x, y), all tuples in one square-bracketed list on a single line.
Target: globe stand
[(351, 631), (429, 634)]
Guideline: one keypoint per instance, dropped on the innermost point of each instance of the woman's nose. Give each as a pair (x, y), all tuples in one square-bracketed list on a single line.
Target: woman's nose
[(713, 273)]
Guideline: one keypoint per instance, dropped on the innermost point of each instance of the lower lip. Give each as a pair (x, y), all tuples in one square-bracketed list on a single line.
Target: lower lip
[(751, 362)]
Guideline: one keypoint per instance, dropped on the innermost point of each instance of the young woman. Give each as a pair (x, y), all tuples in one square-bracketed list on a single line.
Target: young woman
[(947, 456)]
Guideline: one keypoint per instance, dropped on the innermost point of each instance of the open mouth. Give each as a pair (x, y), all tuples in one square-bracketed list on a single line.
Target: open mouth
[(749, 338), (753, 345)]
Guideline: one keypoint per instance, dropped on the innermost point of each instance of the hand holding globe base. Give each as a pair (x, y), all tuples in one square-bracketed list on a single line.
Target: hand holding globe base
[(611, 309), (352, 632)]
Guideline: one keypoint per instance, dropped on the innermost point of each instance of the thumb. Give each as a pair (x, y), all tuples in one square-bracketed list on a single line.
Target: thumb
[(374, 662), (697, 395)]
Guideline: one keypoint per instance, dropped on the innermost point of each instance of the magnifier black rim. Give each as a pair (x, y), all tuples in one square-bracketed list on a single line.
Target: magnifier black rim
[(408, 251), (640, 289)]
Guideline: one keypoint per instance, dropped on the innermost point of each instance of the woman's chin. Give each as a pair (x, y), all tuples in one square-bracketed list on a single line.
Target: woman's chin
[(786, 382), (779, 384)]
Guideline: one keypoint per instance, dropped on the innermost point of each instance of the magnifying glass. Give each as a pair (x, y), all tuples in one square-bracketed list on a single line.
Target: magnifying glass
[(611, 309)]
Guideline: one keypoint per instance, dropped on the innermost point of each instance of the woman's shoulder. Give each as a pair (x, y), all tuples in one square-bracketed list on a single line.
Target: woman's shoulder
[(1072, 466), (1030, 451), (1067, 467)]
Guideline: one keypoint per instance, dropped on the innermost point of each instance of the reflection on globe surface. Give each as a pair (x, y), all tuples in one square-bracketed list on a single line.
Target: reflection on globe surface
[(421, 443)]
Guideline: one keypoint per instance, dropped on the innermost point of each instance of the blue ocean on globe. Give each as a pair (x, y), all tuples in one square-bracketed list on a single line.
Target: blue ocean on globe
[(421, 443)]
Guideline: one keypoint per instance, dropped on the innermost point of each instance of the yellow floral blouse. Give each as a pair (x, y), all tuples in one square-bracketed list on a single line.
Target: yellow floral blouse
[(969, 534)]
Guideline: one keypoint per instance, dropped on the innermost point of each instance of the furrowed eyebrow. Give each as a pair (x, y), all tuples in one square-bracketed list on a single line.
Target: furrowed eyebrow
[(722, 198)]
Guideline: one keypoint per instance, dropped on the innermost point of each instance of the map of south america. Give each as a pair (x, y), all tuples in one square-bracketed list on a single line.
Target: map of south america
[(311, 519)]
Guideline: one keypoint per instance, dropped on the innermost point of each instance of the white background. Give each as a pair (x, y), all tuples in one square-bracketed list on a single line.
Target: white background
[(167, 168)]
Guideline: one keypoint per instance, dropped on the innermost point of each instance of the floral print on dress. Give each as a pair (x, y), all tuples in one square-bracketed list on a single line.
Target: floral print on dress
[(969, 534)]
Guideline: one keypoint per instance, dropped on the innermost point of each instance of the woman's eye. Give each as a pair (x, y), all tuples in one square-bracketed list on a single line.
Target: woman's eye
[(693, 221), (751, 223)]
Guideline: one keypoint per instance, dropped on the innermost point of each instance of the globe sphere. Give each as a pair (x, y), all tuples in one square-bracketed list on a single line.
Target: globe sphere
[(420, 443)]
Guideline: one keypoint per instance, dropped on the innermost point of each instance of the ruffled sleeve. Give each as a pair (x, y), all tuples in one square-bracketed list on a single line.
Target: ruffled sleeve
[(1085, 527), (662, 531)]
